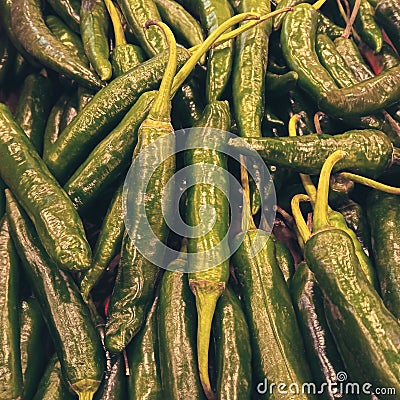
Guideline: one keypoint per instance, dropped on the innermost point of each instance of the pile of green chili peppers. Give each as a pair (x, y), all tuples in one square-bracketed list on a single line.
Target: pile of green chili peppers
[(304, 306)]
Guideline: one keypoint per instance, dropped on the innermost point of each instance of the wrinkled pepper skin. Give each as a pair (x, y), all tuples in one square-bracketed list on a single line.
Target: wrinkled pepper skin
[(366, 333), (10, 360), (383, 211), (58, 225)]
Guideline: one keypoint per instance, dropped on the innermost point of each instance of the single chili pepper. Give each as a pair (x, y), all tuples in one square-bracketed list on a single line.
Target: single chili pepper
[(322, 354), (7, 58), (84, 96), (33, 333), (352, 306), (48, 206), (67, 317), (284, 259), (278, 84), (67, 37), (370, 151), (382, 211), (52, 129), (233, 349), (285, 3), (107, 160), (177, 330), (366, 26), (70, 111), (124, 56), (33, 108), (184, 26), (209, 283), (298, 42), (144, 381), (387, 13), (10, 360), (69, 11), (137, 13), (327, 27), (31, 30), (94, 27), (125, 319), (107, 246), (103, 113), (52, 385), (277, 345)]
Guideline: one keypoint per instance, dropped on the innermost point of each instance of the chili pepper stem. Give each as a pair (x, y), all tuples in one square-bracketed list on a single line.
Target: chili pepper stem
[(320, 220), (207, 294), (86, 396), (371, 183), (303, 231), (116, 22)]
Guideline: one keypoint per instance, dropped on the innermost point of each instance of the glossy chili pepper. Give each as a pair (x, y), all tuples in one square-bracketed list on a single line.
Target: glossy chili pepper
[(387, 13), (176, 315), (33, 108), (67, 37), (326, 26), (324, 358), (107, 246), (94, 28), (70, 111), (278, 84), (233, 349), (285, 3), (103, 113), (33, 334), (77, 343), (30, 29), (370, 151), (298, 42), (10, 360), (353, 307), (382, 212), (52, 212), (208, 283), (284, 259), (184, 26), (127, 307), (144, 381), (69, 11)]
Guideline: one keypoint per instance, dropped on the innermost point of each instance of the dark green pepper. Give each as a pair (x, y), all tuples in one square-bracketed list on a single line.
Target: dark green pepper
[(68, 10), (387, 13)]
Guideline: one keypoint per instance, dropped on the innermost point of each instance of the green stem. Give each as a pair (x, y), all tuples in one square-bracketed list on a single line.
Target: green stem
[(243, 28), (184, 72), (371, 183), (161, 108), (116, 22), (317, 5), (321, 209), (86, 396), (301, 225)]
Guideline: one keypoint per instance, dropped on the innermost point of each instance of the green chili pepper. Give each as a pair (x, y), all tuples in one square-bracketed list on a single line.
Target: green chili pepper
[(370, 151), (67, 317), (284, 259), (285, 3), (184, 26), (209, 283), (324, 358), (278, 84), (69, 11), (144, 382), (389, 57), (94, 27), (387, 13), (370, 349), (52, 385), (10, 360), (326, 26), (103, 113), (31, 30), (233, 349), (84, 97), (177, 330), (137, 13), (33, 108), (298, 43), (125, 302), (48, 206), (67, 37), (33, 334), (70, 111), (107, 246), (383, 210)]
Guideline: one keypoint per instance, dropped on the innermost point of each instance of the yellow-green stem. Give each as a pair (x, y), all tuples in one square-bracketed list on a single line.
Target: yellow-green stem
[(161, 108), (370, 183), (318, 4), (203, 48), (86, 396), (116, 22), (301, 225), (321, 209)]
